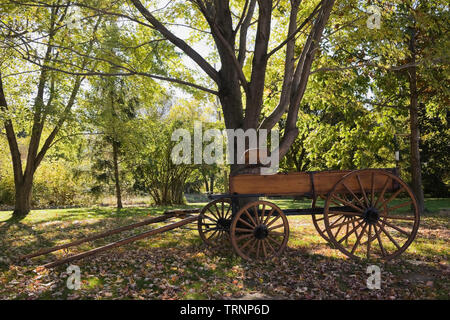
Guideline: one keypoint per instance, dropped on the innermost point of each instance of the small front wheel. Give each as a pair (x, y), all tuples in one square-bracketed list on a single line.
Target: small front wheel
[(260, 230), (214, 223)]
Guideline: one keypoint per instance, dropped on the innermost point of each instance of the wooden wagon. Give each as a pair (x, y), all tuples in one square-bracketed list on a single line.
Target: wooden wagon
[(368, 213), (365, 213)]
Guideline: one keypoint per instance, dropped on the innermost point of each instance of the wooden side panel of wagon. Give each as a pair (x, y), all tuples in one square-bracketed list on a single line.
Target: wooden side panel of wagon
[(302, 183)]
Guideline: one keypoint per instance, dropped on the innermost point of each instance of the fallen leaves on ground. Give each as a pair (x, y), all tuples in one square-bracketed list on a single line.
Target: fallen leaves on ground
[(176, 265)]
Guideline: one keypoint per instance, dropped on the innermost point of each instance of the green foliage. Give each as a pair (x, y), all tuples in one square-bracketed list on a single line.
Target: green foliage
[(357, 99), (355, 104), (55, 185), (435, 155)]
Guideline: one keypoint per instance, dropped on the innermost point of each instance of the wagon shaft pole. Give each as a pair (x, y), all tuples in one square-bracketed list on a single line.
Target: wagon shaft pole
[(167, 215), (122, 242)]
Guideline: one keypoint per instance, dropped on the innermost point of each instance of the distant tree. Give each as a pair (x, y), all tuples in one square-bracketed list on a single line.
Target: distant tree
[(435, 140), (23, 33)]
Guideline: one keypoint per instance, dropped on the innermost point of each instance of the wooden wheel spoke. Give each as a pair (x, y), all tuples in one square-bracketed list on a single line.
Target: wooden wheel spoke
[(396, 228), (340, 224), (363, 191), (358, 239), (247, 243), (336, 221), (273, 220), (214, 215), (270, 246), (347, 203), (279, 234), (209, 229), (250, 217), (256, 215), (207, 225), (262, 214), (388, 235), (351, 232), (325, 198), (383, 251), (273, 240), (228, 211), (245, 236), (213, 234), (336, 203), (246, 223), (244, 230), (339, 229), (349, 214), (276, 227), (353, 224), (252, 248), (264, 248), (352, 193), (269, 215), (211, 219), (382, 192), (217, 210), (392, 197), (401, 205), (399, 217), (347, 226), (257, 248), (369, 241), (329, 216)]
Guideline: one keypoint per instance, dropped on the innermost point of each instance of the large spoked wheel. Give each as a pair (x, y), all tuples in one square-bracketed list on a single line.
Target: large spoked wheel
[(214, 223), (371, 214), (260, 230)]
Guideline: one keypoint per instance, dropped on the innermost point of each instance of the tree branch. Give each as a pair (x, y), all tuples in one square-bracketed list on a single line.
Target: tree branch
[(194, 55)]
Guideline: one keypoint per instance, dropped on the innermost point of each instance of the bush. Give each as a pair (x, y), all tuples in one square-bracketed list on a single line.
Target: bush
[(7, 190), (54, 185)]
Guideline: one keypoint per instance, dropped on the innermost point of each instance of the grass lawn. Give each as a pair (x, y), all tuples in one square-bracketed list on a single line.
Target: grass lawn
[(176, 265)]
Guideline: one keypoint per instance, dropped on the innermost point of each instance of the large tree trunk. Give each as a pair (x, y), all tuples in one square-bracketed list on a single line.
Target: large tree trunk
[(116, 174), (416, 172), (22, 204)]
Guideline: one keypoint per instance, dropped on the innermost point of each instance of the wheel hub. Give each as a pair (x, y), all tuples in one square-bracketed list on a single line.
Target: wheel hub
[(223, 224), (371, 215), (261, 232)]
